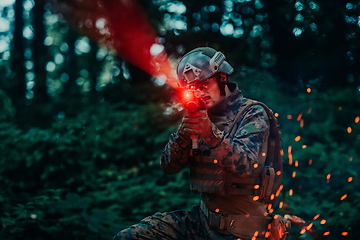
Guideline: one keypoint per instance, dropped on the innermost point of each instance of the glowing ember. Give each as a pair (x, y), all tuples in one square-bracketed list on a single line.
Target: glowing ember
[(290, 192), (256, 198), (303, 231), (215, 161), (281, 204), (294, 174), (272, 197), (308, 90), (302, 123), (217, 210), (296, 163), (351, 158), (256, 165), (304, 146), (343, 197), (279, 190), (309, 111), (357, 119), (282, 152), (256, 186), (297, 138), (290, 155), (340, 108), (350, 179), (323, 221), (326, 233), (344, 233), (310, 161), (349, 129), (316, 217), (278, 173), (299, 117), (328, 176), (276, 115), (289, 117), (310, 226), (267, 234)]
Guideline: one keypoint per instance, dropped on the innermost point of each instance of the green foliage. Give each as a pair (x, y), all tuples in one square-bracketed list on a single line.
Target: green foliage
[(87, 177)]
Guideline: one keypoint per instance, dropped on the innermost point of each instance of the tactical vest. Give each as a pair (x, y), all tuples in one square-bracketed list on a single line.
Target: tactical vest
[(206, 174)]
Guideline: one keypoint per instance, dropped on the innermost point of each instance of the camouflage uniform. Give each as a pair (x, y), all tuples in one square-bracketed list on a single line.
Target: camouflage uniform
[(237, 156)]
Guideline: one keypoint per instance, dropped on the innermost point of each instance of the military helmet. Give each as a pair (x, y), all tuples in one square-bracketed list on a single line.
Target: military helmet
[(201, 64)]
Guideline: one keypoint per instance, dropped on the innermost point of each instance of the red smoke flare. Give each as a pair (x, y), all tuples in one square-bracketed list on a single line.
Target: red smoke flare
[(125, 28)]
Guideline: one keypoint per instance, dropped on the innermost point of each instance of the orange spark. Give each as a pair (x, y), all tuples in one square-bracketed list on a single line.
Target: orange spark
[(279, 190), (299, 117), (281, 204), (309, 111), (282, 152), (349, 129), (272, 197), (290, 155), (302, 123), (310, 161), (351, 158), (328, 178), (344, 233), (316, 217), (256, 165), (340, 108), (255, 235), (256, 198), (278, 173), (289, 117), (271, 210), (267, 234), (290, 192), (357, 119), (269, 206), (323, 221), (308, 90), (296, 163), (303, 231), (350, 179), (217, 210), (304, 146), (294, 174), (297, 138), (276, 115), (310, 226), (343, 197), (326, 233)]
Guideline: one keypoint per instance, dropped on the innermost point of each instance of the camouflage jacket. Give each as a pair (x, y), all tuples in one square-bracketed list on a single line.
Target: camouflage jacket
[(238, 154)]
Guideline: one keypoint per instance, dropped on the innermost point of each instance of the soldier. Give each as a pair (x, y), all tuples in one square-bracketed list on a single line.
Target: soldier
[(228, 167)]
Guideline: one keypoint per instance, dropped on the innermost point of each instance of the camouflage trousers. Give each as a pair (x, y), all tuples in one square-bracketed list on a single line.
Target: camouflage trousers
[(180, 225)]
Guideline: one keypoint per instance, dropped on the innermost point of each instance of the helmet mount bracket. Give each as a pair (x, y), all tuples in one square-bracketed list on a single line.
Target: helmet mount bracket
[(216, 61), (191, 73)]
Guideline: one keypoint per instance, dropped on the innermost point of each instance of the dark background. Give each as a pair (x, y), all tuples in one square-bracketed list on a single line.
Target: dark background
[(82, 129)]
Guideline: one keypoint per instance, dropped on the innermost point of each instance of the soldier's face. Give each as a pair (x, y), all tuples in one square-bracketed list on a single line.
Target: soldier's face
[(211, 91)]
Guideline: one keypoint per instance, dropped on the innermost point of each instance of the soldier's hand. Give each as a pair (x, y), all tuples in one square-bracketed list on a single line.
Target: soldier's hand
[(195, 123)]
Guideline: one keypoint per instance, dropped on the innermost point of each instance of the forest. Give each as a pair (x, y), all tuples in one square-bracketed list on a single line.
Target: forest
[(87, 105)]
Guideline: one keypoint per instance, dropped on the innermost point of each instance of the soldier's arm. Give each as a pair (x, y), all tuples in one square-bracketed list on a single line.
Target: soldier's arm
[(240, 153), (175, 154)]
